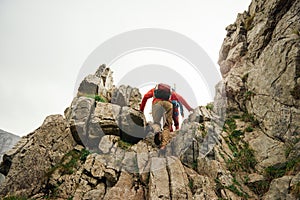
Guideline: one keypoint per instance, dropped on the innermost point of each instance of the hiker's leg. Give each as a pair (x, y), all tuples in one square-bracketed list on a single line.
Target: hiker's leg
[(157, 113), (176, 122), (166, 128), (171, 127), (175, 117)]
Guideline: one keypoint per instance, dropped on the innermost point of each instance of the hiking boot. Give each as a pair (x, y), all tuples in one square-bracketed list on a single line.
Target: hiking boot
[(157, 138), (156, 128)]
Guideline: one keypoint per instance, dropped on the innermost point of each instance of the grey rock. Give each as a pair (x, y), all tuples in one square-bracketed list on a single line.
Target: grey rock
[(159, 179), (81, 110), (132, 124), (100, 83), (108, 144), (104, 120), (178, 179), (106, 85), (129, 163), (267, 151), (89, 85), (127, 96)]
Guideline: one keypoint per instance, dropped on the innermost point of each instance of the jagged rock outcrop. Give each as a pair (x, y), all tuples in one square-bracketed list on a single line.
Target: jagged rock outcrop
[(101, 109), (244, 145), (101, 83), (27, 164)]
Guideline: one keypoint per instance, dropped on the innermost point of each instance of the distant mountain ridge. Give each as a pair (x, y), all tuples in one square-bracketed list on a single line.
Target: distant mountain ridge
[(7, 141)]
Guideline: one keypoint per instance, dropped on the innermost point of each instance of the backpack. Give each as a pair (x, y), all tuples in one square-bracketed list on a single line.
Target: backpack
[(162, 91)]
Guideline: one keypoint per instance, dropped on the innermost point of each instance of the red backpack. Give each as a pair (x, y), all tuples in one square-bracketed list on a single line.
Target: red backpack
[(162, 91)]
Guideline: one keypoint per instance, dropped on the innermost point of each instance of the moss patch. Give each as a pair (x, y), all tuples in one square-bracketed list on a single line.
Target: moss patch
[(98, 98), (69, 162), (243, 160), (260, 187), (235, 187), (209, 106), (124, 145)]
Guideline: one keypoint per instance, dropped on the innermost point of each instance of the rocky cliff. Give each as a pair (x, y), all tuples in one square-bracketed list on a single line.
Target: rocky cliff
[(104, 149)]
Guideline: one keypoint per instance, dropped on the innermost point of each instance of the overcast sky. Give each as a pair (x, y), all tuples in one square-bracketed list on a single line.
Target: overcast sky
[(45, 43)]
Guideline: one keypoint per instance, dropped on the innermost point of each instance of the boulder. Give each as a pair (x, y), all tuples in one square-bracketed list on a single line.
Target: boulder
[(89, 85), (132, 124), (104, 120), (81, 110)]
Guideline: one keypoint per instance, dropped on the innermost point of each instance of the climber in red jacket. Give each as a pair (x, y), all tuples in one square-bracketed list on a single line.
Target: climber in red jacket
[(162, 105)]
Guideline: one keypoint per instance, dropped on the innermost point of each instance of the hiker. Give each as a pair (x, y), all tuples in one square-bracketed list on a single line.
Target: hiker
[(177, 101), (161, 105)]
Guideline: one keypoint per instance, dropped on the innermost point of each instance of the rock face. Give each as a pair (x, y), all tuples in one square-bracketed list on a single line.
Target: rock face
[(259, 61), (27, 164), (244, 145)]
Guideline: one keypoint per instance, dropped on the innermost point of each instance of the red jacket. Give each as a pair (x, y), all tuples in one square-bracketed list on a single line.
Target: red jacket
[(174, 96), (179, 98)]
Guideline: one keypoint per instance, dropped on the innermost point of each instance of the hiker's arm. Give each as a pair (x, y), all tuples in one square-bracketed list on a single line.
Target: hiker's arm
[(148, 95), (183, 101)]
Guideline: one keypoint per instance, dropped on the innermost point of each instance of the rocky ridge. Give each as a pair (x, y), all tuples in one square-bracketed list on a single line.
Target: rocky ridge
[(246, 147)]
